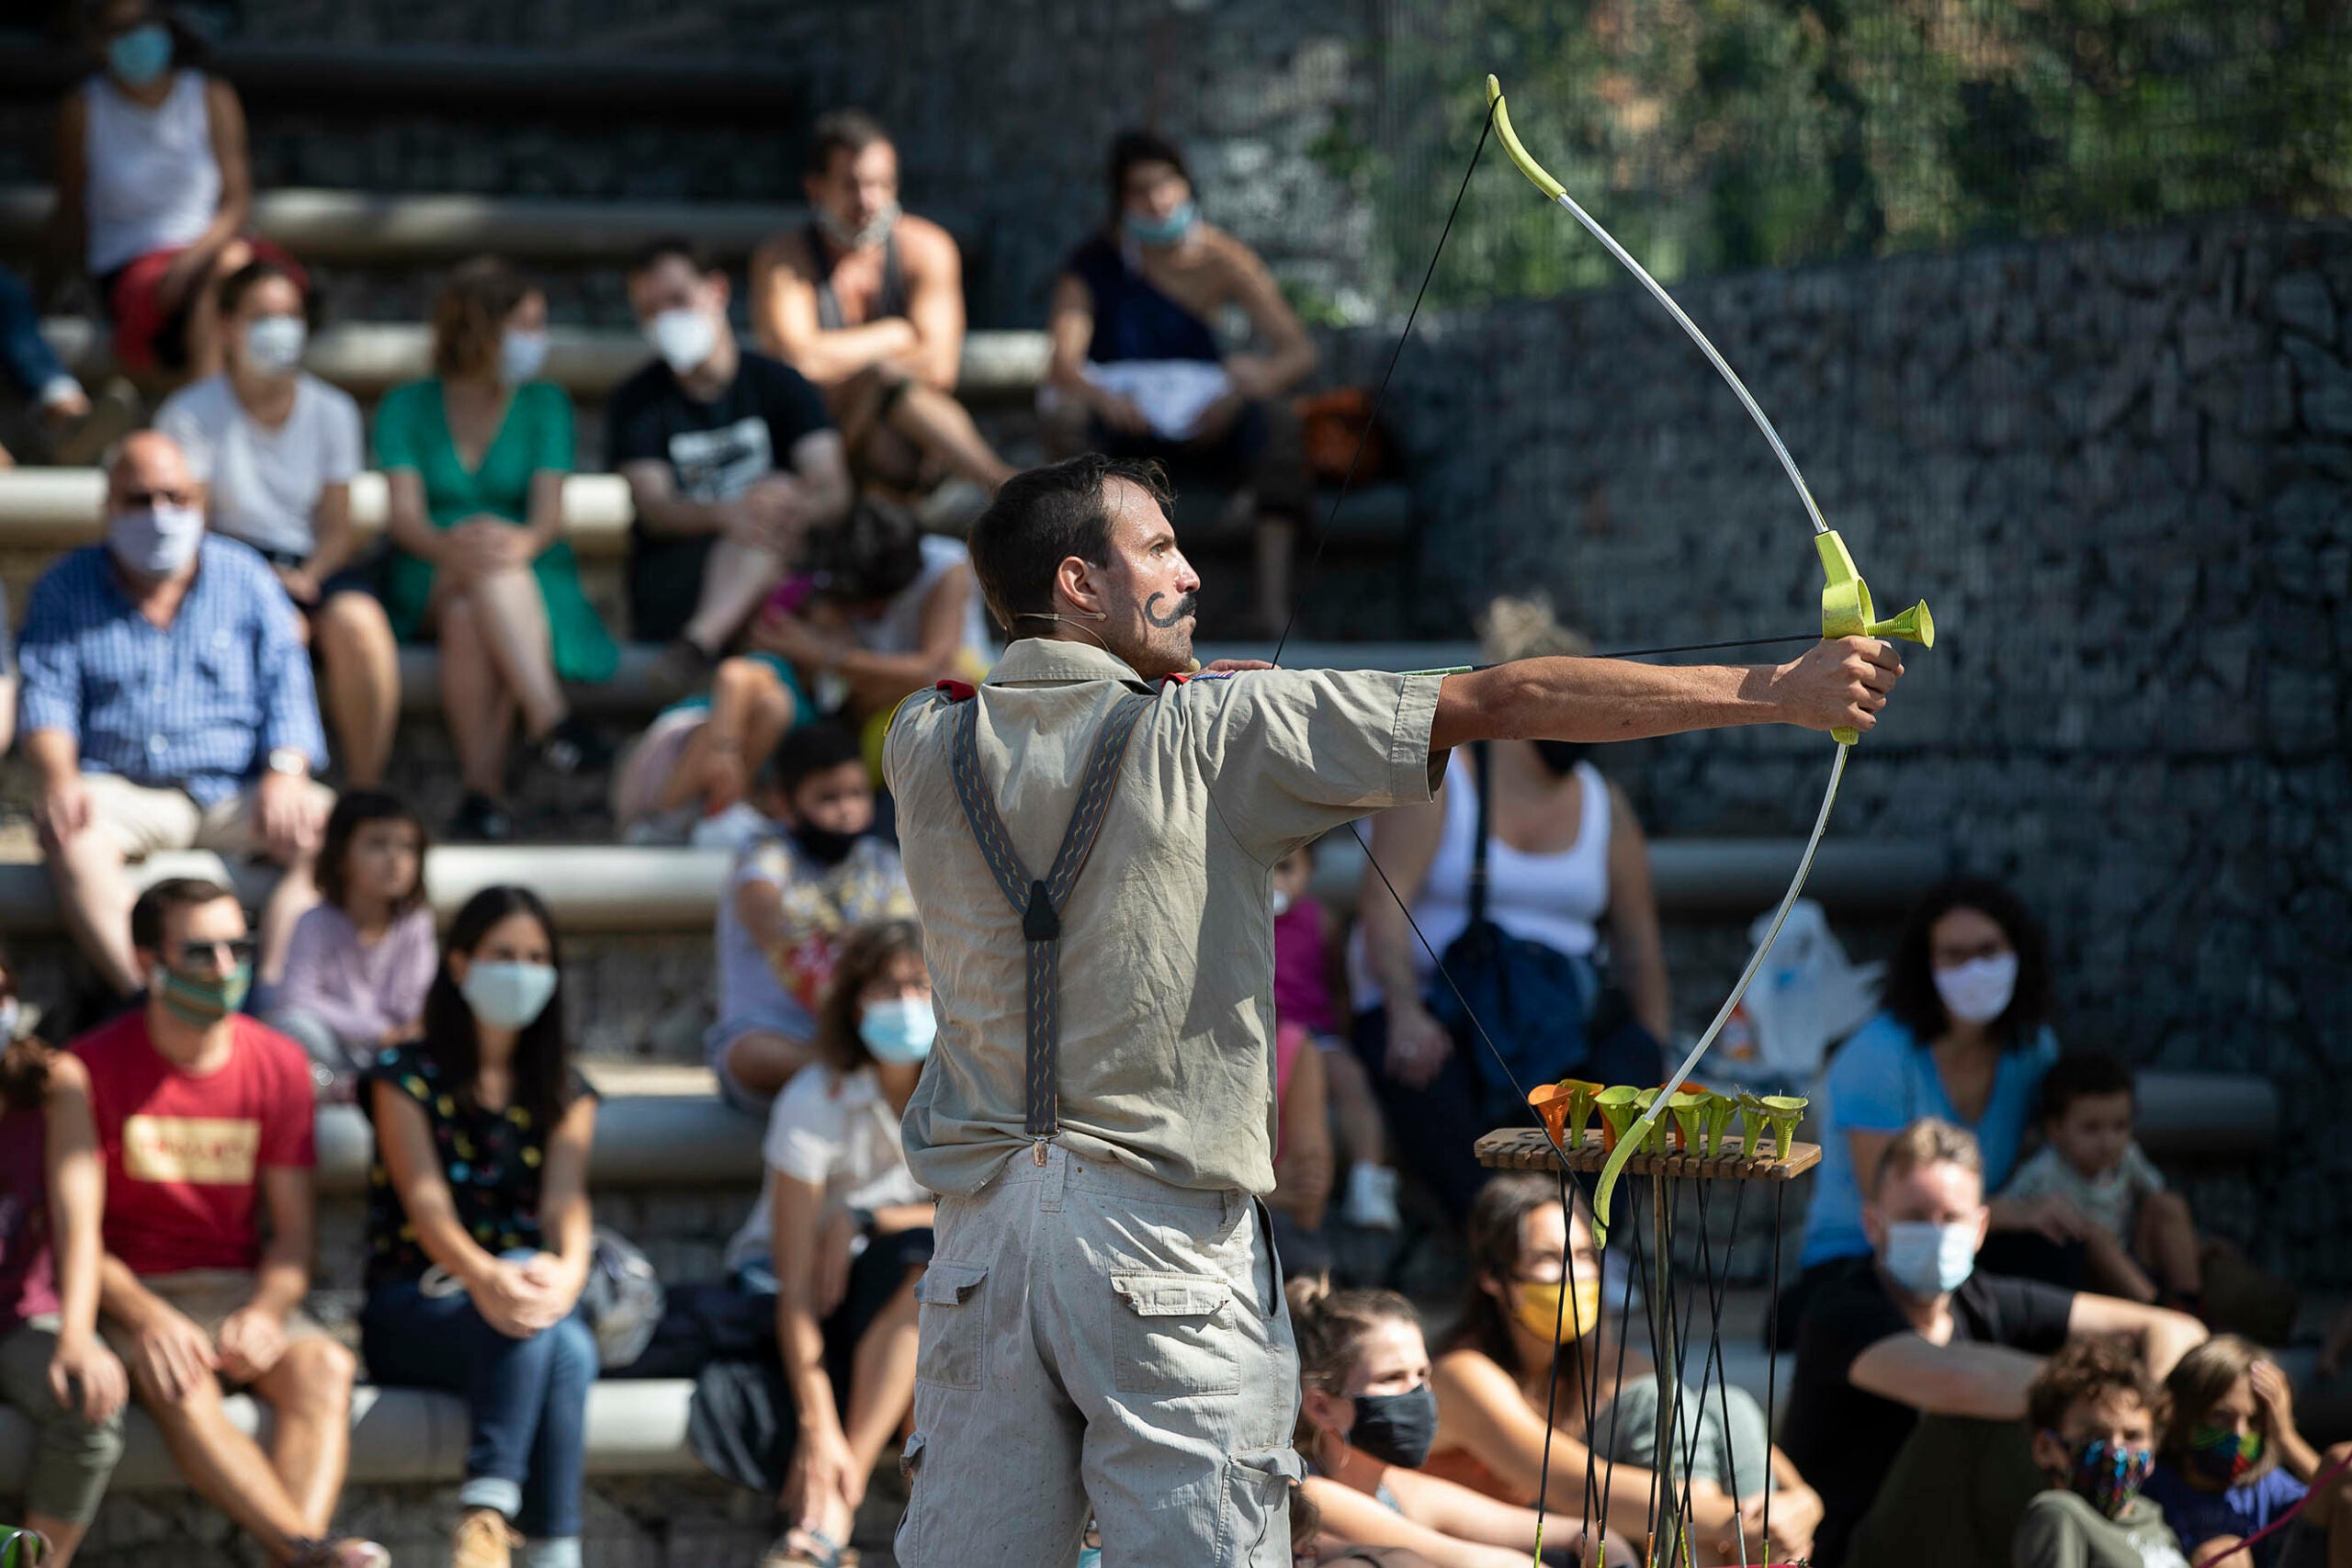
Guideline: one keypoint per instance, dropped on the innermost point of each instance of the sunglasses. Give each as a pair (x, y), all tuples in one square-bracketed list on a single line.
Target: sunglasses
[(141, 500), (240, 950)]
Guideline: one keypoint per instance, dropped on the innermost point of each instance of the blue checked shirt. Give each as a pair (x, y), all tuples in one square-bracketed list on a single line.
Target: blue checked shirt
[(196, 705)]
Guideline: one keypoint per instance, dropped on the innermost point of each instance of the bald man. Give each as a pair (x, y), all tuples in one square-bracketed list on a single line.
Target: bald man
[(167, 705)]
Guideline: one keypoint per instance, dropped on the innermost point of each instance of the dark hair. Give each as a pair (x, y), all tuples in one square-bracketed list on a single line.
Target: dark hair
[(1492, 1240), (171, 893), (542, 1069), (653, 253), (233, 288), (2079, 1075), (815, 747), (351, 813), (1042, 516), (1132, 147), (875, 553), (2086, 1369), (2197, 1381), (865, 954), (1911, 995), (841, 130), (471, 314), (24, 1063)]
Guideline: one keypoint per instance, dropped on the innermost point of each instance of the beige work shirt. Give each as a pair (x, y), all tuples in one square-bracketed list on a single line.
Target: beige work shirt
[(1168, 954)]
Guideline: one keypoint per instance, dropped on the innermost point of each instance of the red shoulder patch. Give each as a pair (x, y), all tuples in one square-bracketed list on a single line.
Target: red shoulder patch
[(958, 691), (1175, 678)]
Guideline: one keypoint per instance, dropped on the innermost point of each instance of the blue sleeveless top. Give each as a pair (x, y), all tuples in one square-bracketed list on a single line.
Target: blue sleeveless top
[(1133, 320)]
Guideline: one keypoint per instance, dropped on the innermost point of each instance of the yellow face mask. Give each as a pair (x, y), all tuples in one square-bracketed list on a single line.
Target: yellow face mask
[(1541, 1312)]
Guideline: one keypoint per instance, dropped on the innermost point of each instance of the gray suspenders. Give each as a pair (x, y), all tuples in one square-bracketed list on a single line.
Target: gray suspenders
[(1040, 902)]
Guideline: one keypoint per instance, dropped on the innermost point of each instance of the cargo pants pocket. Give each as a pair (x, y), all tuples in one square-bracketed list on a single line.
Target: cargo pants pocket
[(1176, 1338), (951, 1334)]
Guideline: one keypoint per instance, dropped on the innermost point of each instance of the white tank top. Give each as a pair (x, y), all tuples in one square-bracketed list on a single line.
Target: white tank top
[(1554, 898), (153, 182)]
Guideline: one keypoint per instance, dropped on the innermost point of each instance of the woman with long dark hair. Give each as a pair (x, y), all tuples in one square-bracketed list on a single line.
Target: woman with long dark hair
[(478, 1229), (1964, 1035), (1533, 1335)]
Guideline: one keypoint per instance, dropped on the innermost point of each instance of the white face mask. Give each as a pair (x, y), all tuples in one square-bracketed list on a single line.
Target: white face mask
[(508, 996), (1282, 903), (1979, 990), (684, 337), (274, 344), (520, 354), (1926, 1259), (155, 541), (12, 1013)]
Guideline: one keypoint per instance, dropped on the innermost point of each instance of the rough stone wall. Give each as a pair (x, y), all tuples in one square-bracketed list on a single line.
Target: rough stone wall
[(2119, 469)]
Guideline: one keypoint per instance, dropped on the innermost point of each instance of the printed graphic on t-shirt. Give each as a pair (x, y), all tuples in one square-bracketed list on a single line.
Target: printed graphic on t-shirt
[(203, 1151), (718, 465)]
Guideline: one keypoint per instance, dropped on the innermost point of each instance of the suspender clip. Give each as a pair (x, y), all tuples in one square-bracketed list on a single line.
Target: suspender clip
[(1038, 921)]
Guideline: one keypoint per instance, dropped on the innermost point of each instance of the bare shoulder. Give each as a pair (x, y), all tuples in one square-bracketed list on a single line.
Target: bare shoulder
[(67, 1074), (787, 252), (924, 243)]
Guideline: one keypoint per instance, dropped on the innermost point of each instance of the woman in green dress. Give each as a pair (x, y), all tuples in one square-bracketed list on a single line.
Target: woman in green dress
[(475, 459)]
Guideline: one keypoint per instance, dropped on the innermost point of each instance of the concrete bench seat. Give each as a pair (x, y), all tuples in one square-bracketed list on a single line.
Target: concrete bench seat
[(405, 1435), (367, 357)]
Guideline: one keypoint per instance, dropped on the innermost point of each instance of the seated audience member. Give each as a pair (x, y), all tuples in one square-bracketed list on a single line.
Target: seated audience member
[(363, 956), (2233, 1464), (846, 1231), (1567, 878), (867, 302), (275, 449), (2094, 1412), (687, 777), (1307, 977), (730, 458), (1911, 1376), (1137, 368), (205, 1119), (793, 897), (167, 705), (479, 1237), (1963, 1036), (1302, 1154), (475, 459), (54, 1370), (1532, 1304), (885, 610), (33, 371), (1366, 1416), (154, 189), (2089, 1159)]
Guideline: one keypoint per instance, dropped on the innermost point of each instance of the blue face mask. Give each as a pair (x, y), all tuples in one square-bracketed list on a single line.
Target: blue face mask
[(141, 55), (899, 1032), (508, 996), (1928, 1259), (1168, 230)]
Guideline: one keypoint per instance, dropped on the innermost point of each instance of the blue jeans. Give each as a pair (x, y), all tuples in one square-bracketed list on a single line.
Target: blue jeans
[(26, 359), (528, 1398)]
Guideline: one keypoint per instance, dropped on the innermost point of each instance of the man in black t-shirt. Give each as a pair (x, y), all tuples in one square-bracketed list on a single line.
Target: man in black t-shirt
[(730, 460), (1907, 1409)]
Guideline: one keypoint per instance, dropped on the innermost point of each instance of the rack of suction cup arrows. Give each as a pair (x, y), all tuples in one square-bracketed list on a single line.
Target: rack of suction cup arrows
[(1584, 1121)]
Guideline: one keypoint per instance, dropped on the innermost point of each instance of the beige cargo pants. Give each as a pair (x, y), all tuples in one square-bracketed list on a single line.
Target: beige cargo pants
[(1092, 1337)]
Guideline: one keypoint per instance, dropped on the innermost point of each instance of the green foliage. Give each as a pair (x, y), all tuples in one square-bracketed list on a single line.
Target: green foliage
[(1723, 134)]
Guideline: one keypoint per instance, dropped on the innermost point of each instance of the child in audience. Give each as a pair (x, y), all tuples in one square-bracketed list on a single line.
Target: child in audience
[(847, 1231), (1307, 943), (362, 958), (1302, 1154), (479, 1231), (793, 897), (1366, 1417), (685, 779), (2094, 1411), (2089, 1158), (2232, 1466), (54, 1370)]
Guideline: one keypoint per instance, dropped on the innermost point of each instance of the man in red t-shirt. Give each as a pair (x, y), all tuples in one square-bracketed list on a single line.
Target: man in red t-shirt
[(205, 1119)]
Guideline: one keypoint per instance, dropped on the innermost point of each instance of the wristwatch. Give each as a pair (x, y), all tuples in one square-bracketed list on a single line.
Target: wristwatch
[(286, 760)]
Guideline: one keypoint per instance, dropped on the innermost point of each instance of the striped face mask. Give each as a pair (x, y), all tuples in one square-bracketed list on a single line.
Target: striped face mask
[(2222, 1455)]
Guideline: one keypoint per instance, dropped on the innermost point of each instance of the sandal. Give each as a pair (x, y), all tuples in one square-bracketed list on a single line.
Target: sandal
[(798, 1547)]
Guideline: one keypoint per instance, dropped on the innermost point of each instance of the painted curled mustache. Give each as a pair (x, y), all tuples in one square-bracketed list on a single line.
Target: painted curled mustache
[(1185, 608)]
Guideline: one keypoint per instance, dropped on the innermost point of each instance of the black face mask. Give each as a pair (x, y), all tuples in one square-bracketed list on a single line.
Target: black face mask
[(1397, 1428), (823, 845), (1561, 756)]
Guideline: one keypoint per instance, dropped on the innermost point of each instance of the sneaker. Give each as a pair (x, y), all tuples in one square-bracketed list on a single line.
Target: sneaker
[(483, 1540), (480, 820), (1370, 1203), (348, 1551), (572, 747), (682, 669)]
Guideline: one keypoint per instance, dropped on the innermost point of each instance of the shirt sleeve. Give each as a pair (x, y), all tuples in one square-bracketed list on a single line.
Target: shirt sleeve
[(398, 442), (2030, 1315), (804, 1130), (289, 1134), (1841, 1324), (177, 420), (2140, 1172), (1867, 1090), (633, 426), (50, 659), (311, 956), (420, 961), (342, 449), (1291, 755), (2049, 1536), (554, 443), (290, 703)]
